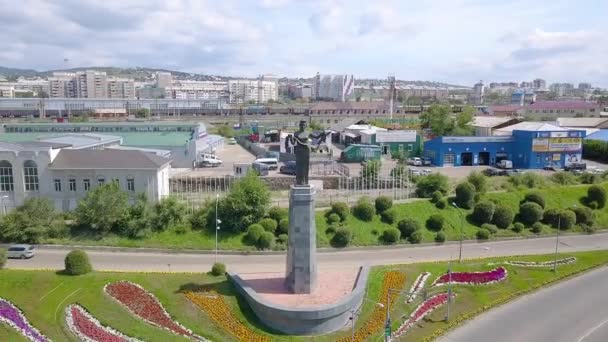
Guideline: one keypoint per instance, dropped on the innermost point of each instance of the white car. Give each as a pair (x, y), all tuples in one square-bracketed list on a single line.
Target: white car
[(210, 160), (21, 251), (414, 161)]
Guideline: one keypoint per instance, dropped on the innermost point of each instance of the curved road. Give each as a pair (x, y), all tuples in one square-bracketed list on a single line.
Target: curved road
[(572, 311), (190, 262)]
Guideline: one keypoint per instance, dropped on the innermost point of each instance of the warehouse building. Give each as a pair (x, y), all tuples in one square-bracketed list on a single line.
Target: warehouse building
[(533, 145)]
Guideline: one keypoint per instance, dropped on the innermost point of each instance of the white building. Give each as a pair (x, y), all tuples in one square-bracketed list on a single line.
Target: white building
[(37, 87), (62, 84), (163, 79), (65, 176), (258, 91), (121, 88), (336, 87), (7, 91), (90, 84), (197, 90), (478, 92)]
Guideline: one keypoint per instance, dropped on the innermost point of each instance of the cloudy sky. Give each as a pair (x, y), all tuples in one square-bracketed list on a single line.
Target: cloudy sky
[(457, 41)]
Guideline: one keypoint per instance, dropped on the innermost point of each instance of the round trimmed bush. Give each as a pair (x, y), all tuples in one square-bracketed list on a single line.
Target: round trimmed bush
[(530, 213), (266, 241), (435, 222), (283, 227), (436, 196), (407, 226), (333, 218), (567, 219), (342, 237), (389, 216), (218, 269), (391, 235), (341, 209), (364, 210), (518, 227), (593, 205), (550, 217), (2, 258), (77, 263), (597, 194), (283, 239), (330, 230), (584, 216), (270, 225), (537, 228), (383, 203), (415, 237), (374, 231), (440, 237), (535, 197), (483, 212), (442, 203), (503, 216), (490, 227), (277, 213), (483, 234), (589, 178), (465, 195), (254, 232), (588, 229)]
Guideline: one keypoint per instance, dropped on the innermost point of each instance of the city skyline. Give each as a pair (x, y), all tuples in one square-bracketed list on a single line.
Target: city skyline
[(458, 42)]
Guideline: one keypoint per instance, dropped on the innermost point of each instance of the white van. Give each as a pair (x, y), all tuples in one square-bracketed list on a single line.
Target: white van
[(210, 160), (505, 164), (273, 163)]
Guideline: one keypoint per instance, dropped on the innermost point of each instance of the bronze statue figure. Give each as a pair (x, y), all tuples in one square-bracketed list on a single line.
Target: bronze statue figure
[(303, 142)]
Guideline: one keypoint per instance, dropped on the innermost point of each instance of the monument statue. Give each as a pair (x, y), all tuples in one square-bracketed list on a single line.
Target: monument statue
[(303, 142)]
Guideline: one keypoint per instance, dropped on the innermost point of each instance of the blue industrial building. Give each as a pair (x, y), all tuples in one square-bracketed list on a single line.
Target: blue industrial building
[(533, 147)]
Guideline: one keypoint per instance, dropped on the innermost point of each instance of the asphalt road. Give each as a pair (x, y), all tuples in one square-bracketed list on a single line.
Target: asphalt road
[(187, 262), (572, 311)]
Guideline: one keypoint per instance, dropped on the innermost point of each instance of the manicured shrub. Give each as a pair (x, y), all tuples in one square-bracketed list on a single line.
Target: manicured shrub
[(283, 227), (342, 237), (518, 227), (436, 196), (77, 263), (587, 228), (415, 237), (330, 229), (589, 178), (278, 213), (2, 258), (483, 212), (270, 225), (442, 203), (391, 235), (341, 209), (364, 210), (440, 237), (479, 181), (374, 232), (596, 193), (535, 197), (490, 227), (530, 213), (254, 232), (407, 226), (383, 203), (427, 185), (503, 216), (333, 218), (218, 269), (483, 234), (567, 219), (266, 241), (283, 239), (537, 228), (584, 216), (388, 216), (465, 195), (593, 205), (550, 216), (435, 222)]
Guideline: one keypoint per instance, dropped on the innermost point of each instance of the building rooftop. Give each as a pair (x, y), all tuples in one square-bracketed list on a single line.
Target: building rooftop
[(168, 138), (374, 105), (581, 122), (554, 105), (505, 108), (489, 121), (537, 126), (107, 160), (81, 140), (396, 136)]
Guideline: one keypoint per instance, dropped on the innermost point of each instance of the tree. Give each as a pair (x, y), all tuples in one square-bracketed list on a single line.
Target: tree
[(535, 197), (438, 119), (364, 210), (316, 126), (77, 263), (431, 183), (479, 181), (399, 171), (483, 212), (503, 216), (226, 131), (391, 235), (245, 204), (169, 212), (30, 222), (530, 213), (142, 113), (383, 203), (339, 208), (141, 216), (463, 122), (596, 194), (407, 226), (104, 209), (435, 222), (342, 237), (465, 195), (371, 170)]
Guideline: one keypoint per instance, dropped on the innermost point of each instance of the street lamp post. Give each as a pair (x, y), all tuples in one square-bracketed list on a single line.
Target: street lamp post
[(217, 224), (387, 322), (461, 228)]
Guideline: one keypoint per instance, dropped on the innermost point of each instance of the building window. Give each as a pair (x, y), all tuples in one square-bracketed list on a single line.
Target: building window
[(57, 185), (30, 173), (410, 148), (72, 183), (101, 180), (6, 176), (117, 182), (86, 184), (130, 184)]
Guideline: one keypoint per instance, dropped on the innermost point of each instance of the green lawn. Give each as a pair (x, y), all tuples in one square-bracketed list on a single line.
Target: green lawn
[(43, 295), (364, 233)]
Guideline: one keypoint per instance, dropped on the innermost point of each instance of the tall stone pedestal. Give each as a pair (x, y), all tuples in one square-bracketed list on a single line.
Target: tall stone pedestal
[(301, 272)]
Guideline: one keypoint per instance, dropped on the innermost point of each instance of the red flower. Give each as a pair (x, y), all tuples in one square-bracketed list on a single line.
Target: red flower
[(496, 274), (88, 328)]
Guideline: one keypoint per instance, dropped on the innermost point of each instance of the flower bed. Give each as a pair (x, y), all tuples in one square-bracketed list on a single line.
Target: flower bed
[(12, 316), (473, 278), (88, 329), (215, 306), (144, 305), (421, 311), (564, 261), (392, 280), (417, 286)]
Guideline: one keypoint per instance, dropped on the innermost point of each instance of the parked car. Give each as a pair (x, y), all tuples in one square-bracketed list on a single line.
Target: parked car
[(210, 160), (414, 161), (550, 167), (231, 141), (578, 167), (289, 168), (426, 161), (491, 172), (21, 251), (505, 164), (273, 163)]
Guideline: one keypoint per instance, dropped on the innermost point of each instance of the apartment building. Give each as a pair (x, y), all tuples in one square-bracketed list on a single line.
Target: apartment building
[(197, 90), (335, 87), (37, 87), (90, 84), (62, 84), (7, 91), (121, 88), (163, 79), (258, 91)]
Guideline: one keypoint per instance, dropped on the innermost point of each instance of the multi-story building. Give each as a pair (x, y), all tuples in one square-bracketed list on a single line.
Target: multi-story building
[(562, 89), (478, 92), (197, 90), (121, 88), (539, 84), (335, 87), (92, 84), (584, 86), (258, 91), (62, 84), (7, 91), (38, 87), (300, 91), (163, 79)]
